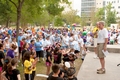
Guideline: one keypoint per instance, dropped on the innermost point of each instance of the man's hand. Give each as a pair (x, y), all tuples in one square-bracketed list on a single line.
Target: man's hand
[(105, 48)]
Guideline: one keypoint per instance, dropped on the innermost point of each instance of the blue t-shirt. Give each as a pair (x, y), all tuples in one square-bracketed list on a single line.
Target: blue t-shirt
[(19, 39), (38, 46)]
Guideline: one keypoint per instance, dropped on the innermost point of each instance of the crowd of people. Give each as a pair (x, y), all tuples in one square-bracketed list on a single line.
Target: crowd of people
[(55, 46)]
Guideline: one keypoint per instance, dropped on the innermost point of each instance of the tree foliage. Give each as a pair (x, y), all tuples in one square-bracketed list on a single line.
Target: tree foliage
[(110, 15), (71, 17)]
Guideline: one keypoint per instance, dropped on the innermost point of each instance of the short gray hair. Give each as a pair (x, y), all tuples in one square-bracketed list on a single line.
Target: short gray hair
[(102, 22)]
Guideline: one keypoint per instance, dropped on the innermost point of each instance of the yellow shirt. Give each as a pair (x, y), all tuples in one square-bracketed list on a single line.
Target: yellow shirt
[(32, 60), (95, 30), (27, 65)]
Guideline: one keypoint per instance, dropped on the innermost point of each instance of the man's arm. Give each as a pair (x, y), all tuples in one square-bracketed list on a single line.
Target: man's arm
[(106, 41)]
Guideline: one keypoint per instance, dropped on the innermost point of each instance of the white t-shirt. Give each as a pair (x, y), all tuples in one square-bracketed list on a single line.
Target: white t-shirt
[(102, 34), (80, 41), (15, 43), (70, 40), (65, 41), (118, 38), (75, 45), (112, 38), (89, 38), (47, 43)]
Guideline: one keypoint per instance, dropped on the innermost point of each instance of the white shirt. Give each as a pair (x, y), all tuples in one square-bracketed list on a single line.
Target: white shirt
[(102, 34), (118, 38), (47, 43), (75, 45), (80, 41), (89, 38), (112, 38), (15, 43), (65, 41)]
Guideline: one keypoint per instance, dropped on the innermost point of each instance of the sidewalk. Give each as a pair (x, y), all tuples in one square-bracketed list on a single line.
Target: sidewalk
[(90, 65), (110, 48)]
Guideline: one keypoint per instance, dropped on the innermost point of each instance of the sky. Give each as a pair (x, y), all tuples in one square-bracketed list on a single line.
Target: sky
[(77, 5)]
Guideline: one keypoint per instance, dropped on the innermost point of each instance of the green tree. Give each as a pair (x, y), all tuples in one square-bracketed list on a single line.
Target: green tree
[(110, 15), (99, 15), (59, 21), (5, 12), (71, 17), (18, 5)]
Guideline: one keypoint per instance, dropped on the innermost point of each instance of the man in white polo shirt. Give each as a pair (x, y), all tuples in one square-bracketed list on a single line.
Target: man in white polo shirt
[(102, 41)]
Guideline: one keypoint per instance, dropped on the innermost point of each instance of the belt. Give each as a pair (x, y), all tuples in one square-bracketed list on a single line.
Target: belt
[(99, 43)]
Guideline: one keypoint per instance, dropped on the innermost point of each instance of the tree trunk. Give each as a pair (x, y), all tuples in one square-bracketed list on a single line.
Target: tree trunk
[(18, 22), (7, 23)]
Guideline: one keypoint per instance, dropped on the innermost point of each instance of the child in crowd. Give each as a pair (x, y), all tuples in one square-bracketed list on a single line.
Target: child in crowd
[(34, 60), (48, 60), (57, 55), (12, 73), (1, 59), (56, 71), (25, 49), (28, 66), (71, 72)]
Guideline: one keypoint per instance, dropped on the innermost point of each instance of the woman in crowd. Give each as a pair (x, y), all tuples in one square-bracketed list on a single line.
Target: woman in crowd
[(16, 50), (6, 44), (1, 59), (25, 49), (12, 73), (28, 66), (48, 59), (38, 46), (11, 51)]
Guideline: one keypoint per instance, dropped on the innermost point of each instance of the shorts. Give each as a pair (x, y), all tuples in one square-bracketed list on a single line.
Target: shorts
[(48, 64), (100, 47), (95, 42), (40, 53), (19, 49), (0, 69)]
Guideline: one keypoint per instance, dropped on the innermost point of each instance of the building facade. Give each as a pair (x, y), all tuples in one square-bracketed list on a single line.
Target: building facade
[(115, 6), (87, 7)]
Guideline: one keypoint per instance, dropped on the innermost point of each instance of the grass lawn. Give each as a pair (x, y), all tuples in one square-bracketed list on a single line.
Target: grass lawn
[(41, 69)]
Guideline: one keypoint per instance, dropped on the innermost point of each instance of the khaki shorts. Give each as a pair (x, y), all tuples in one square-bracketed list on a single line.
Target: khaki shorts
[(95, 42), (100, 47)]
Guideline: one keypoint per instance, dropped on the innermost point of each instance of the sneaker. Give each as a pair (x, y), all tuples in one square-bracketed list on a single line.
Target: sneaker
[(102, 71), (95, 56)]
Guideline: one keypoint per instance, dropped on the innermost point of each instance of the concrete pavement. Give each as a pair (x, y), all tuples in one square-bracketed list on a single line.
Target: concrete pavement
[(90, 65), (110, 48)]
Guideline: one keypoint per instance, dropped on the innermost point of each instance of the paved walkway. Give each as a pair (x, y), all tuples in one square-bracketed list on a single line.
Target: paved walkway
[(89, 66), (110, 46)]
